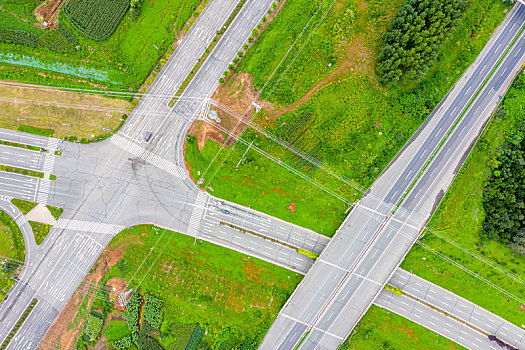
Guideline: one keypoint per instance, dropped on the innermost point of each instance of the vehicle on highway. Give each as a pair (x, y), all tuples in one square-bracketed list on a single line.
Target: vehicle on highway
[(147, 136)]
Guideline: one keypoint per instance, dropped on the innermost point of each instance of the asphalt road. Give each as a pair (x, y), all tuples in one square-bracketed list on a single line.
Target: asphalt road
[(18, 186), (469, 325), (106, 186), (372, 242)]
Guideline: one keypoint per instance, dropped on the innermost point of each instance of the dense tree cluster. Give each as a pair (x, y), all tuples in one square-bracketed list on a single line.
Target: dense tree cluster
[(414, 38), (135, 7), (504, 196), (152, 312), (92, 327)]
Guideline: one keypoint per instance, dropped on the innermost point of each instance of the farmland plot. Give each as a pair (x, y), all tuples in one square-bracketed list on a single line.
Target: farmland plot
[(97, 19)]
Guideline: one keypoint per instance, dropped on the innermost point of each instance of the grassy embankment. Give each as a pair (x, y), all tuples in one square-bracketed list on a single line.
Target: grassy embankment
[(460, 217), (381, 329), (12, 250), (232, 296), (38, 110), (338, 114)]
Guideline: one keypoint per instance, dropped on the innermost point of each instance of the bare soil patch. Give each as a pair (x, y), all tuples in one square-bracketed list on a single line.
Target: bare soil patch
[(62, 333), (48, 11), (357, 58), (67, 113), (232, 103)]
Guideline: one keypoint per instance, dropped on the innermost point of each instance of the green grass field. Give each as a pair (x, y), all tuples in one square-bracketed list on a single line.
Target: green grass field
[(40, 231), (266, 186), (24, 206), (71, 59), (11, 248), (460, 217), (381, 329), (352, 125), (318, 57), (234, 297)]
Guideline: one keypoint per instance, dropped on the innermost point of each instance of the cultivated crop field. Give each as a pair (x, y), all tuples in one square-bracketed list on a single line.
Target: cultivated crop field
[(201, 286), (100, 48), (96, 19)]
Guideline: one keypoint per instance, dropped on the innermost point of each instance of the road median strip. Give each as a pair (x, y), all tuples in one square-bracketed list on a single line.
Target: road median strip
[(19, 324), (302, 251), (463, 112), (21, 171), (206, 54)]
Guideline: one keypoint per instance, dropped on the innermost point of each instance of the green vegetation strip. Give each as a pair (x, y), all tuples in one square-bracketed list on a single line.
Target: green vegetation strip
[(453, 127), (302, 340), (12, 169), (309, 254), (19, 145), (19, 324), (35, 131), (206, 53)]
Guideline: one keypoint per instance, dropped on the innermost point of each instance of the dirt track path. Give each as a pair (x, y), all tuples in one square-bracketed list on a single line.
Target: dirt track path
[(358, 58)]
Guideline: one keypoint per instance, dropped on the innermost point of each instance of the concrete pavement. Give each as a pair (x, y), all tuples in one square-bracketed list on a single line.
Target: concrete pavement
[(118, 183), (375, 237), (448, 314)]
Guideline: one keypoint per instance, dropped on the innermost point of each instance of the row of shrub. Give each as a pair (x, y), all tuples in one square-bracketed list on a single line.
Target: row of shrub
[(245, 47)]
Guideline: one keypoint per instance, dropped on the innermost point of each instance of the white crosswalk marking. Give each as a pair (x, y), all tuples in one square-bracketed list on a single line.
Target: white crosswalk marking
[(21, 220), (152, 158), (49, 164), (89, 226), (195, 221), (6, 198), (52, 144), (43, 191)]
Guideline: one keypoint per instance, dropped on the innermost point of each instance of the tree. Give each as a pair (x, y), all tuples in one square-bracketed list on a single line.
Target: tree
[(135, 7), (9, 266), (414, 38)]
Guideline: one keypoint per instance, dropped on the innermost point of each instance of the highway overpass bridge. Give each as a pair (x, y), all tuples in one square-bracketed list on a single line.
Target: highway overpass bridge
[(366, 250)]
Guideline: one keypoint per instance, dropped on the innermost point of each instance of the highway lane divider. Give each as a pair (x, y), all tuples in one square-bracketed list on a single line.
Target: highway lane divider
[(299, 250), (19, 324), (21, 171), (207, 52), (463, 112), (20, 145)]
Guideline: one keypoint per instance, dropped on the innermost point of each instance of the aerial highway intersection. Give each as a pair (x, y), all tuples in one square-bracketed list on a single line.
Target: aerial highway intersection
[(139, 176)]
